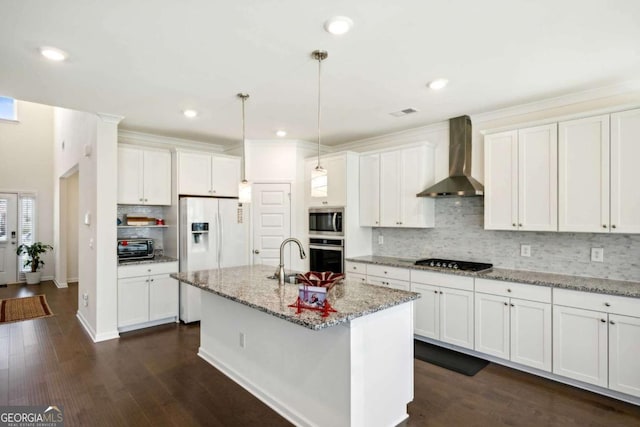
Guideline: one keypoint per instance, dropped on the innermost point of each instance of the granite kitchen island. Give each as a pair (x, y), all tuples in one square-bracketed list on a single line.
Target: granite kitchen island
[(352, 368)]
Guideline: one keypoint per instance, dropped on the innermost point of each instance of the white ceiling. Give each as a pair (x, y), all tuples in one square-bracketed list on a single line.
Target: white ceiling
[(147, 60)]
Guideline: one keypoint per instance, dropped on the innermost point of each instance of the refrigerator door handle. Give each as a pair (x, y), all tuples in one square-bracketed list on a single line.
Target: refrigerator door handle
[(221, 225)]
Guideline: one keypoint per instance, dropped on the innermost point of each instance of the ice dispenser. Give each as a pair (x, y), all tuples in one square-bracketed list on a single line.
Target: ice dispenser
[(199, 232)]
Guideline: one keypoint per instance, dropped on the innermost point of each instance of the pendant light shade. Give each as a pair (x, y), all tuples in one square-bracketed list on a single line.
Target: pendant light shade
[(244, 188), (319, 177)]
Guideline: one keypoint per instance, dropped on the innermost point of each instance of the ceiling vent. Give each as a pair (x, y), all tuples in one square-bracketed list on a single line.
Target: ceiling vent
[(404, 112)]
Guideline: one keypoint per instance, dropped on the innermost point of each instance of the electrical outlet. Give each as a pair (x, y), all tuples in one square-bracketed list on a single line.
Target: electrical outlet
[(525, 250), (85, 299), (242, 340), (597, 254), (381, 240)]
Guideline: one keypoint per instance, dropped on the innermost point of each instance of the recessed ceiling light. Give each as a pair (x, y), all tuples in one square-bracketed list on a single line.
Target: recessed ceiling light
[(438, 84), (338, 25), (190, 113), (54, 54), (281, 133)]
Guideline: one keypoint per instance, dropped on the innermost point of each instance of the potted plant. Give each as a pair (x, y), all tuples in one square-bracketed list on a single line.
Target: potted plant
[(34, 252)]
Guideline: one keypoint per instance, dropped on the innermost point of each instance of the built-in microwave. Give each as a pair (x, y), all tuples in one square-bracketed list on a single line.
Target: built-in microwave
[(326, 221)]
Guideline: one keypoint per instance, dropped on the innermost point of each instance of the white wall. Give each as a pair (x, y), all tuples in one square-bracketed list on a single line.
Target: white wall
[(73, 225), (26, 165), (88, 143)]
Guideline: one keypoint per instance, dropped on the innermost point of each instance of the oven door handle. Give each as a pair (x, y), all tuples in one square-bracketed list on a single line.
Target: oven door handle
[(335, 222), (327, 248)]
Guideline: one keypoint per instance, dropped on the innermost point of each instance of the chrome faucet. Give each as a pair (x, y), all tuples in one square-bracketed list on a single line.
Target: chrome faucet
[(280, 271)]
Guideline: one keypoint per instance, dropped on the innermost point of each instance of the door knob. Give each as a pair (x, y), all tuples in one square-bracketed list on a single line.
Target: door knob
[(256, 251)]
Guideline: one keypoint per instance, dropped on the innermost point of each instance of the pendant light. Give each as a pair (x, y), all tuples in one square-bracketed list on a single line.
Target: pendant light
[(244, 188), (319, 178)]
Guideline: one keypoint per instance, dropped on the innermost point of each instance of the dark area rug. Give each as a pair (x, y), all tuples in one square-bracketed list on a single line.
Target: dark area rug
[(448, 359)]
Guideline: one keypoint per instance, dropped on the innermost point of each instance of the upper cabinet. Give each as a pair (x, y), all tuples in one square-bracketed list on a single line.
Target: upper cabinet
[(389, 182), (598, 173), (204, 174), (521, 179), (337, 170), (144, 176)]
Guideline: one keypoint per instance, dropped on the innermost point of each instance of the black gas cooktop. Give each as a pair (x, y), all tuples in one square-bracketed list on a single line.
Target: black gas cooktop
[(451, 264)]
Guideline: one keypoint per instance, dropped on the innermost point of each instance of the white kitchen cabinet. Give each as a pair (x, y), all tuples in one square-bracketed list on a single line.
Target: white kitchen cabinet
[(521, 179), (583, 175), (144, 176), (513, 322), (389, 182), (392, 277), (203, 174), (147, 295), (625, 173), (336, 167), (595, 339), (445, 311)]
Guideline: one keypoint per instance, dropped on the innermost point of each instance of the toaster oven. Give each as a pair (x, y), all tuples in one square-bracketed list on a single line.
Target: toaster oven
[(135, 249)]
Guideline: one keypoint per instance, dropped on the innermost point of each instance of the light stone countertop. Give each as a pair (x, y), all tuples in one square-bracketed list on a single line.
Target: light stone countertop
[(578, 283), (156, 259), (250, 286)]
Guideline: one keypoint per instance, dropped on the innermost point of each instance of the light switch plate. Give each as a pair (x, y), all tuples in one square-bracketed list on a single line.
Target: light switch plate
[(597, 254), (525, 250), (380, 240)]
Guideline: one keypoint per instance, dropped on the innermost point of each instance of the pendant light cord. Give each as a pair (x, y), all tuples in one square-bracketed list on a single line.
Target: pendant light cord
[(319, 105), (243, 97)]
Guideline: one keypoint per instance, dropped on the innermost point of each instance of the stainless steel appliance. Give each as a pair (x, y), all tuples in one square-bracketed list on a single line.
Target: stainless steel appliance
[(135, 249), (326, 221), (213, 234), (450, 264), (326, 255)]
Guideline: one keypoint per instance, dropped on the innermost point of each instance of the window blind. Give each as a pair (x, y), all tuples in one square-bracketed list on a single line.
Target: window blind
[(26, 225), (3, 220)]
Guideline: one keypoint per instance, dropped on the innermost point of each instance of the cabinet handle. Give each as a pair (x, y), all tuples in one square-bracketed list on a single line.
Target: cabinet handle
[(440, 292), (519, 225), (506, 303), (607, 304), (612, 322), (325, 203), (140, 199), (512, 305), (354, 267), (149, 270), (385, 272), (613, 226), (514, 224), (435, 292), (604, 225), (376, 222), (146, 200), (152, 280), (508, 290), (603, 321)]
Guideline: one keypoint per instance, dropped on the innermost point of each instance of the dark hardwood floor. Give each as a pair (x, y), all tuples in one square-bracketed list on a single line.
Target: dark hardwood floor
[(154, 377)]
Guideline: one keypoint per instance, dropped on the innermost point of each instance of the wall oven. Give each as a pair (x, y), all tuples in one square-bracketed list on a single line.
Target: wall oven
[(326, 221), (326, 255)]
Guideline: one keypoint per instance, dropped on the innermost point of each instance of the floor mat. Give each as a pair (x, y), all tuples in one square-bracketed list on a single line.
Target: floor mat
[(17, 309), (448, 359)]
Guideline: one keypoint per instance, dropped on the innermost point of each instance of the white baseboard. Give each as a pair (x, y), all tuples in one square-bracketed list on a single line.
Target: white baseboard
[(173, 319), (92, 333), (72, 279), (288, 413), (60, 284)]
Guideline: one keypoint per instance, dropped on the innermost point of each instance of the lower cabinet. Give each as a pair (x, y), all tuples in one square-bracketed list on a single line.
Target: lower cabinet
[(392, 277), (147, 295), (444, 313), (596, 339), (512, 328)]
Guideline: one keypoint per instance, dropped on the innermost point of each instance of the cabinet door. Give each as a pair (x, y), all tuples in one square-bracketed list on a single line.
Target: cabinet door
[(360, 278), (163, 297), (157, 177), (370, 190), (580, 344), (492, 325), (456, 317), (389, 189), (624, 359), (538, 178), (133, 301), (583, 175), (426, 311), (225, 176), (501, 181), (416, 174), (194, 176), (336, 168), (531, 334), (625, 173), (130, 167)]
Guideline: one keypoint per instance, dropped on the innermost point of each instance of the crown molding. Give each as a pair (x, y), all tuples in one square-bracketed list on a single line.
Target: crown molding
[(301, 144), (404, 137), (559, 101), (141, 138), (110, 118)]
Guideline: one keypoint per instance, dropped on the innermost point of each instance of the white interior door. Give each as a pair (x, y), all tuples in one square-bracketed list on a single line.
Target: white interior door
[(271, 206), (8, 238)]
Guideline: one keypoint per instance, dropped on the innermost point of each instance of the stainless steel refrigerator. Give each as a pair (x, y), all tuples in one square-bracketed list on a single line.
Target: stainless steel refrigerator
[(213, 234)]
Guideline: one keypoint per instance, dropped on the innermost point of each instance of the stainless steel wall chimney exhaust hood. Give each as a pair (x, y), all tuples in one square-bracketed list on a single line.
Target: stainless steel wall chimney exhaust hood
[(460, 183)]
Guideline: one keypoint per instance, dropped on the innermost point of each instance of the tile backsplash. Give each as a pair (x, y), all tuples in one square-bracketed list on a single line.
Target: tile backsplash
[(157, 234), (459, 234)]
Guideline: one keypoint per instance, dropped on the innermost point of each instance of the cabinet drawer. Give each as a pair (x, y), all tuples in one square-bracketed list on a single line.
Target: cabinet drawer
[(388, 272), (514, 290), (439, 279), (389, 283), (356, 267), (147, 269), (360, 278), (626, 306)]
